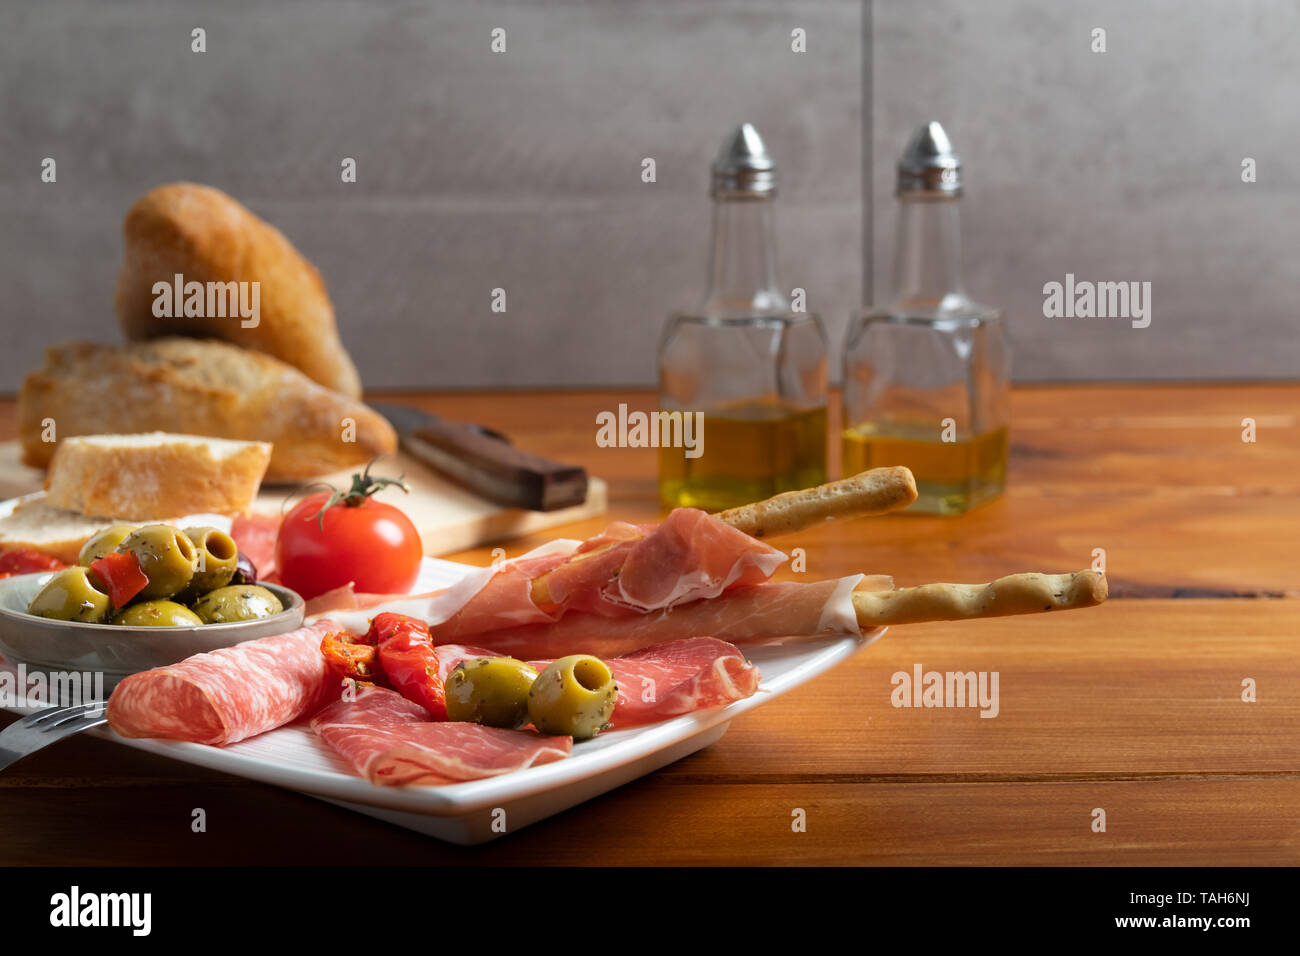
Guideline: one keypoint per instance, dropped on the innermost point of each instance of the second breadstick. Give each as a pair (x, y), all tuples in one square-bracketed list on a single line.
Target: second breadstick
[(1027, 593), (870, 493)]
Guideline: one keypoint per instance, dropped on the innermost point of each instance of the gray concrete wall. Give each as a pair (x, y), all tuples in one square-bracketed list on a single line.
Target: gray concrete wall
[(522, 170), (1123, 165)]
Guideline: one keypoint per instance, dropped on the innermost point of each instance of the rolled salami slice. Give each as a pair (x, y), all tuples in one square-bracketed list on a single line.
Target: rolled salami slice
[(229, 694)]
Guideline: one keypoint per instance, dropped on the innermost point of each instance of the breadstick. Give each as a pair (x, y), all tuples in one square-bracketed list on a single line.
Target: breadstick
[(869, 493), (1027, 593)]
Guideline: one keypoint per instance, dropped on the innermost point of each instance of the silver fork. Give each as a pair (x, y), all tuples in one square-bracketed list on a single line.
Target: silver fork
[(37, 731)]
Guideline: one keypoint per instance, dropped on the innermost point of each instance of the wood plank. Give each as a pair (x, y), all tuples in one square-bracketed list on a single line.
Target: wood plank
[(1134, 706), (658, 821)]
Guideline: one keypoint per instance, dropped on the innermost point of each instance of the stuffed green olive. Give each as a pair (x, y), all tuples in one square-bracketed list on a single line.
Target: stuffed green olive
[(491, 691), (70, 595), (574, 695), (238, 602), (167, 557), (156, 614), (103, 542)]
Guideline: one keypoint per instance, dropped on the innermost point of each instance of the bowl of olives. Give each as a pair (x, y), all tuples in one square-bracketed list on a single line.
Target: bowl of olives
[(140, 598)]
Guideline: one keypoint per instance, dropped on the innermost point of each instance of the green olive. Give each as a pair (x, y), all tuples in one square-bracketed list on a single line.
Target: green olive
[(103, 542), (239, 602), (167, 558), (575, 696), (156, 614), (217, 557), (490, 690), (70, 596)]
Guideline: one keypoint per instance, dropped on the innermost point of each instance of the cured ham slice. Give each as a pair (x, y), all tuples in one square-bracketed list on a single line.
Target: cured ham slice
[(390, 741), (767, 612), (690, 556), (255, 535), (625, 571), (669, 680), (229, 694), (505, 604)]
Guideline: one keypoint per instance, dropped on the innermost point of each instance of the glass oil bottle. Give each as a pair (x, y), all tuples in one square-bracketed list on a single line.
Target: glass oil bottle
[(926, 377), (754, 368)]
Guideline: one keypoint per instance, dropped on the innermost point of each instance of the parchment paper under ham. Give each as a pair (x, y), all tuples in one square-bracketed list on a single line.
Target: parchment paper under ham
[(765, 613), (390, 741), (437, 607), (229, 694)]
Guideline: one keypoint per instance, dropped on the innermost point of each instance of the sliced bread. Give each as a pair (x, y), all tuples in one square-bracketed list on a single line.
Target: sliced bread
[(197, 387), (32, 522), (144, 475)]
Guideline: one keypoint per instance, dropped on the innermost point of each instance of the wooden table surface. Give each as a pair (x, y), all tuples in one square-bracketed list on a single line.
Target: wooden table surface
[(1134, 707)]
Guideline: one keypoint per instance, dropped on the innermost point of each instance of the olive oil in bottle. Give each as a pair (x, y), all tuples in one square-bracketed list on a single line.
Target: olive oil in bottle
[(754, 369), (752, 451), (925, 377), (951, 477)]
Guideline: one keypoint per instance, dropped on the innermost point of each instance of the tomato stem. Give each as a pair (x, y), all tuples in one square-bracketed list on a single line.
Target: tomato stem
[(363, 486)]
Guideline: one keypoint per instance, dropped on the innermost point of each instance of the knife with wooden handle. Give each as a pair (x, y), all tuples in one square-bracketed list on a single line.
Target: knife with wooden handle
[(484, 462)]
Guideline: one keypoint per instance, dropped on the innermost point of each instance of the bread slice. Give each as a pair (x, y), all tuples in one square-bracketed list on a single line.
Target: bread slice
[(154, 473), (36, 524), (206, 236), (197, 387)]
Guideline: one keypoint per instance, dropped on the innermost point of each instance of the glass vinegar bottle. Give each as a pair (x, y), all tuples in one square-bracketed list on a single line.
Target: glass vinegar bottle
[(756, 370), (926, 377)]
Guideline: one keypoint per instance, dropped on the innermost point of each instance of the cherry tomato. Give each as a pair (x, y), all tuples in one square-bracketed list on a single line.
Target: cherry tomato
[(331, 538)]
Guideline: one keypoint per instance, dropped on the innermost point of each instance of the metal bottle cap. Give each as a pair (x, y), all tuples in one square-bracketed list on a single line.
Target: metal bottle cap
[(743, 169), (929, 165)]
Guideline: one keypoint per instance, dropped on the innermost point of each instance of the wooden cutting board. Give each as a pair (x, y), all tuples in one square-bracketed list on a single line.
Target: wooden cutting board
[(448, 517)]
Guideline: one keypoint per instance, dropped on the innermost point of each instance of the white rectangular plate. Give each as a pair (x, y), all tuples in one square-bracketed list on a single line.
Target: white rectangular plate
[(293, 757)]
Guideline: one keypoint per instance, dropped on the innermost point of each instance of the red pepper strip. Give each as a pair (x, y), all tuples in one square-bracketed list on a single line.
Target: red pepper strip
[(27, 561), (347, 658), (120, 573), (408, 657)]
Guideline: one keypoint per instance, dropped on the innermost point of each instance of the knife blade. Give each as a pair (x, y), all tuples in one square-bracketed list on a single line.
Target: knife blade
[(483, 461)]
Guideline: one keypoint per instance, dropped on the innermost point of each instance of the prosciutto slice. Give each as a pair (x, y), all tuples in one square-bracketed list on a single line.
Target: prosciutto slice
[(255, 535), (390, 741), (765, 613), (625, 571), (230, 694), (669, 680)]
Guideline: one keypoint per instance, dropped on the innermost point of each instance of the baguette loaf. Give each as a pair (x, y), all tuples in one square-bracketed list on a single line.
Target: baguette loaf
[(206, 236), (141, 476), (198, 387)]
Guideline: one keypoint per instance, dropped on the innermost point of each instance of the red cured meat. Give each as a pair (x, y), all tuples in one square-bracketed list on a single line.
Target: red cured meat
[(669, 680), (255, 535), (390, 741), (503, 601), (624, 571), (690, 556), (763, 613), (229, 694)]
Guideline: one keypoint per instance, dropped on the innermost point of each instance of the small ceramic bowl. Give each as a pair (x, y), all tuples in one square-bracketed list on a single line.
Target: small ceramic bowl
[(117, 650)]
